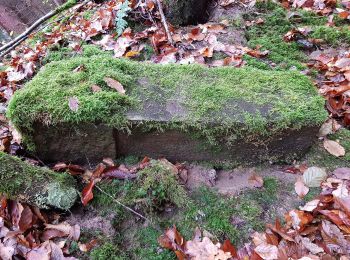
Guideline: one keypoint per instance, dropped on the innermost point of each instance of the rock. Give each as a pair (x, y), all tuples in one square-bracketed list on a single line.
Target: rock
[(185, 12), (180, 112), (35, 185)]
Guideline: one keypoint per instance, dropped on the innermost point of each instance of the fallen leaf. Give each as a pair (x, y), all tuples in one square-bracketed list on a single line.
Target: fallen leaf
[(313, 176), (310, 206), (95, 88), (334, 148), (256, 180), (115, 85), (267, 251), (300, 188), (73, 104), (87, 194), (342, 173)]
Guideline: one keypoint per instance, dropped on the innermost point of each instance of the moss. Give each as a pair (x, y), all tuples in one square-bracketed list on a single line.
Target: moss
[(68, 4), (35, 185), (291, 99), (146, 246), (106, 251), (155, 187), (158, 186), (331, 35), (270, 37), (231, 218)]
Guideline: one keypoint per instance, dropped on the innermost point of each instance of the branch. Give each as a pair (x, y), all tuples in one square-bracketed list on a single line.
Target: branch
[(5, 49), (164, 22), (121, 204)]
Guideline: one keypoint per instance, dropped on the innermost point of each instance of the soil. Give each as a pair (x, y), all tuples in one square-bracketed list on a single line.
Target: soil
[(235, 181), (92, 221)]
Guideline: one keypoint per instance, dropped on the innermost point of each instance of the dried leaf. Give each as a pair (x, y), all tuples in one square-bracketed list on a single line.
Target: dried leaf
[(300, 188), (334, 148), (313, 176), (256, 180), (115, 85), (266, 251), (310, 206), (87, 194), (73, 104)]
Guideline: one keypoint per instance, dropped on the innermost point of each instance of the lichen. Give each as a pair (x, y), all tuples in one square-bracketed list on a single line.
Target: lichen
[(216, 100), (35, 185)]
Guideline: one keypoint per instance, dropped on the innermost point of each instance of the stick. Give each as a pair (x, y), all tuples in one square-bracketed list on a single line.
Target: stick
[(121, 204), (20, 38), (164, 22)]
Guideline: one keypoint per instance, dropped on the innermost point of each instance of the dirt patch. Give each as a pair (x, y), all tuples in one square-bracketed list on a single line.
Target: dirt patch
[(232, 182), (92, 221), (233, 14)]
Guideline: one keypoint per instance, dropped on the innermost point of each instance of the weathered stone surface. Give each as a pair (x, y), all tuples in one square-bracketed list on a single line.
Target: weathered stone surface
[(184, 12), (173, 111), (35, 185)]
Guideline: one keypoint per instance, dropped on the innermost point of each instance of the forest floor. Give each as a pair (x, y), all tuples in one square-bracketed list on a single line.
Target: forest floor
[(199, 210)]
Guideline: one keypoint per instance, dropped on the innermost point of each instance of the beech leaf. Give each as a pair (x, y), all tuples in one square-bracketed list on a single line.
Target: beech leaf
[(115, 85), (313, 176), (334, 148)]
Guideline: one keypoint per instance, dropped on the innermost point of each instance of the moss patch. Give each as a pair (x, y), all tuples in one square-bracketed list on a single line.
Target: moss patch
[(35, 185), (265, 103)]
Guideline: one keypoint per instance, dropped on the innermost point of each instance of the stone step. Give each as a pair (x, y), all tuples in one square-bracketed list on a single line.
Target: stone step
[(181, 112)]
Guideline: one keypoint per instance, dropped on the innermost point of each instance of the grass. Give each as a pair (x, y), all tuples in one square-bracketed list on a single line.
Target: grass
[(291, 99)]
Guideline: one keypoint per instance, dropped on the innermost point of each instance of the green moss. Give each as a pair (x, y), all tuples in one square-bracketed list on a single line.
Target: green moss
[(68, 4), (270, 37), (35, 185), (331, 35), (235, 98), (231, 218), (106, 251)]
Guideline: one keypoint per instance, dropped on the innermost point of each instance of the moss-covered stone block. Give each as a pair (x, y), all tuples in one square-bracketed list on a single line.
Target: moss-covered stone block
[(182, 112), (35, 185)]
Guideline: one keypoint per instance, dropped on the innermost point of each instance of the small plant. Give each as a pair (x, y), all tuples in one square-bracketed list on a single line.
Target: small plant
[(121, 23)]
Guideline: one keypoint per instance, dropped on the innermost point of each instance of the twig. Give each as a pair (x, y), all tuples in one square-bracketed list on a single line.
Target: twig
[(164, 22), (7, 48), (121, 204)]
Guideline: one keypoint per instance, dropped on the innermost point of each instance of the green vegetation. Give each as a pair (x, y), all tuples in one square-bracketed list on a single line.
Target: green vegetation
[(236, 97), (332, 35), (66, 5), (106, 251), (224, 217), (35, 185), (269, 36)]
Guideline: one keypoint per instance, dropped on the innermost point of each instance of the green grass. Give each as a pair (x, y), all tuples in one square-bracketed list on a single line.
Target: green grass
[(291, 98)]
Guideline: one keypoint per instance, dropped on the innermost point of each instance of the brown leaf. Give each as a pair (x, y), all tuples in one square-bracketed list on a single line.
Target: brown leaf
[(342, 173), (300, 188), (115, 85), (256, 180), (87, 194), (115, 172), (27, 219), (228, 247), (95, 88), (334, 148)]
